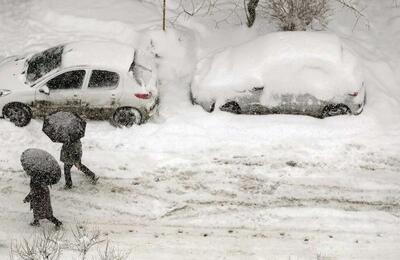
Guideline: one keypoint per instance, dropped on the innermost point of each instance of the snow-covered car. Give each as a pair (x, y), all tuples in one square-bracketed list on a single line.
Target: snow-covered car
[(307, 73), (98, 80)]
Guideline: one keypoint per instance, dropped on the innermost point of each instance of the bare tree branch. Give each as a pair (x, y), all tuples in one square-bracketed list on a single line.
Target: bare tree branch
[(295, 15), (84, 239), (46, 245)]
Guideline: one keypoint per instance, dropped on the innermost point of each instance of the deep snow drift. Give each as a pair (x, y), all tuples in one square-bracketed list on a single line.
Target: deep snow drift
[(275, 186)]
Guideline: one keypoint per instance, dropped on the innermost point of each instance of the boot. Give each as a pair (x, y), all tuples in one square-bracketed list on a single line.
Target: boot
[(35, 223)]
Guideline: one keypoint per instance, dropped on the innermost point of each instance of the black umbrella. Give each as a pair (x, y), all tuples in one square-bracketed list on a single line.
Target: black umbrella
[(41, 165), (64, 127)]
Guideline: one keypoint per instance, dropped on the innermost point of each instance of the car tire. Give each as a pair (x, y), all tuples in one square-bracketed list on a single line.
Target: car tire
[(232, 107), (18, 114), (126, 117), (335, 110)]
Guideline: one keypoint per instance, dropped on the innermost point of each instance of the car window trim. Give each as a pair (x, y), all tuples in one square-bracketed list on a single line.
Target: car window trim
[(58, 73), (108, 88)]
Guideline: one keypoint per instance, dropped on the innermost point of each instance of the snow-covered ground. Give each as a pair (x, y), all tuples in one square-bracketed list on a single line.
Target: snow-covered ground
[(194, 185)]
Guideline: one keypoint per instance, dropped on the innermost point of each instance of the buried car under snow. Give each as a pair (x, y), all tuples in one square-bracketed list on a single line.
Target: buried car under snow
[(99, 80), (306, 73)]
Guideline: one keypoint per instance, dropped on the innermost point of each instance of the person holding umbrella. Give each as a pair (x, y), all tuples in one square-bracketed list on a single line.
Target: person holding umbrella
[(44, 171), (71, 155), (68, 128)]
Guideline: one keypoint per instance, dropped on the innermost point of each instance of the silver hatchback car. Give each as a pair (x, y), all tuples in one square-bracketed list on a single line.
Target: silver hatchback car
[(98, 80), (248, 102), (304, 73)]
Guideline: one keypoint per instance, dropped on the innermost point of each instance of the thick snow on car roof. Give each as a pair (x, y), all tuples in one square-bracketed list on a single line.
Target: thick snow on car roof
[(285, 62), (98, 54)]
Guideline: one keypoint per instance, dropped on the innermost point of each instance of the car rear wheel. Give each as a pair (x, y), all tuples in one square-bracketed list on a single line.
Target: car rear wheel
[(335, 110), (232, 107), (126, 117), (18, 114)]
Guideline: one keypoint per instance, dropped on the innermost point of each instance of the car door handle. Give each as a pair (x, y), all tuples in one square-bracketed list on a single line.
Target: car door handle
[(258, 88)]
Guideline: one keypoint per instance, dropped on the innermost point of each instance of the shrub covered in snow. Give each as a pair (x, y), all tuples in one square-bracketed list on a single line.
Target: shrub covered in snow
[(85, 239), (46, 245), (112, 253), (49, 244), (295, 15)]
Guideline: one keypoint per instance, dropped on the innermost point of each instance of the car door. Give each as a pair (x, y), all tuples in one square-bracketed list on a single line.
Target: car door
[(102, 93), (250, 102), (63, 92)]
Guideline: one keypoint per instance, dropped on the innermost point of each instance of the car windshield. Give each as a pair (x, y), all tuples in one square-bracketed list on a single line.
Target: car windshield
[(42, 63)]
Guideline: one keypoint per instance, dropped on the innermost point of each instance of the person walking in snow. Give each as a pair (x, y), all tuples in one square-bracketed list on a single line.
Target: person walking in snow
[(39, 198), (68, 128), (71, 155), (44, 171)]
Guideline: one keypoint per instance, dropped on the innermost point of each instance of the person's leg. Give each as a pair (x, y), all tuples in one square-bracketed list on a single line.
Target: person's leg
[(35, 223), (67, 175), (55, 221), (86, 171)]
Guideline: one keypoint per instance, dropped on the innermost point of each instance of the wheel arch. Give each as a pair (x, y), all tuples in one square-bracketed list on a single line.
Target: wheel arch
[(143, 118), (18, 104), (330, 106), (231, 106)]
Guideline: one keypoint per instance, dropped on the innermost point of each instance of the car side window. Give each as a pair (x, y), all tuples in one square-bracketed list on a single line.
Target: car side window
[(103, 79), (68, 80)]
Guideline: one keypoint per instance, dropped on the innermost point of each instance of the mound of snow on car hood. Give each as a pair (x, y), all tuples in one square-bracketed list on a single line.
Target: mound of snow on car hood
[(294, 62)]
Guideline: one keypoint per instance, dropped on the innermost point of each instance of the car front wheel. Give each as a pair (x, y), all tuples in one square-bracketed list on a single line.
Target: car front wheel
[(126, 117), (335, 110), (232, 107), (18, 114)]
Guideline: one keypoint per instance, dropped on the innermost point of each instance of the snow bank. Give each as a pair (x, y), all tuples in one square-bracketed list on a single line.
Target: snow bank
[(295, 62), (376, 40)]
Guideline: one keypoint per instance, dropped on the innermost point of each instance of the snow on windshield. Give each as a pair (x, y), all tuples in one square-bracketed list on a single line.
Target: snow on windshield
[(42, 63)]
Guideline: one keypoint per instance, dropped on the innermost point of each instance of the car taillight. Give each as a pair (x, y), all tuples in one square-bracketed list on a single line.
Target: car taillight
[(354, 94), (143, 95)]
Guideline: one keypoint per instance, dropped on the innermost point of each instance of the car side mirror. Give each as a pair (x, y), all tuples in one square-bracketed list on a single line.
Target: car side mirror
[(45, 90)]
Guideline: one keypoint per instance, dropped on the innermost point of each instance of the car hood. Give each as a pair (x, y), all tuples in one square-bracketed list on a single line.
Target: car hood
[(12, 75)]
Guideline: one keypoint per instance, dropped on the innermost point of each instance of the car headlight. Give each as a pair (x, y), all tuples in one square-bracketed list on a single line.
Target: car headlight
[(4, 92)]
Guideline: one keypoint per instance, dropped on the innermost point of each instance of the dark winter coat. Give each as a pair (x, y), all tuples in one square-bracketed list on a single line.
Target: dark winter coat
[(39, 198), (71, 153)]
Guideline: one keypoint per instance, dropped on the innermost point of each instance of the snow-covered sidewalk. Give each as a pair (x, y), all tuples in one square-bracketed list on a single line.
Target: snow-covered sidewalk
[(233, 206)]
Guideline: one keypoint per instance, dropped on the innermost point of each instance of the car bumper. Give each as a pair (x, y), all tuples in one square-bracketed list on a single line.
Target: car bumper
[(357, 109), (357, 104), (148, 113), (154, 108)]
